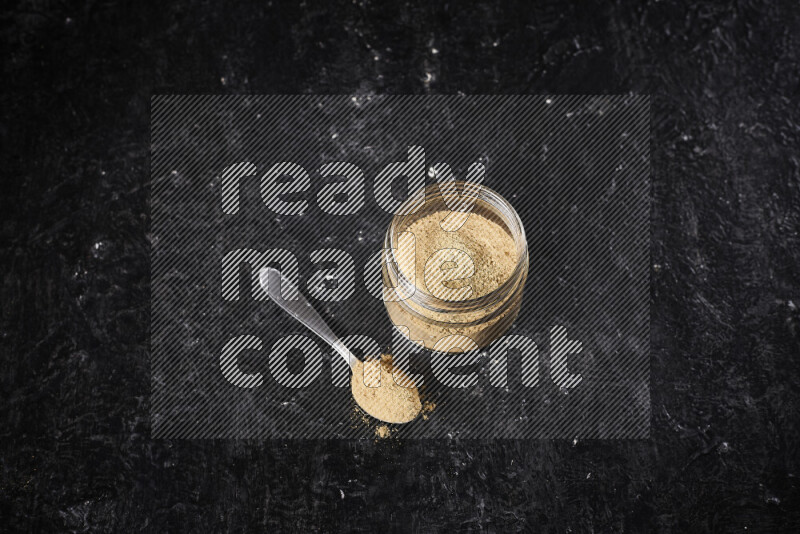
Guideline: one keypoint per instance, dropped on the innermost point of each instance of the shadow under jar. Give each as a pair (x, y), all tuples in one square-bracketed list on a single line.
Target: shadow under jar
[(455, 324)]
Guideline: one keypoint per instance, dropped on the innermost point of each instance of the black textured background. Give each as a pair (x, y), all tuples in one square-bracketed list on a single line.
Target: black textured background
[(77, 80)]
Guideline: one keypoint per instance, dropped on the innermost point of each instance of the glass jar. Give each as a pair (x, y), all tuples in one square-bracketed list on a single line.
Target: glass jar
[(452, 325)]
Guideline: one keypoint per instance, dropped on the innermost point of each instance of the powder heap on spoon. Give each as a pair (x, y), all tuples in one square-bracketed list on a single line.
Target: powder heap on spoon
[(384, 391)]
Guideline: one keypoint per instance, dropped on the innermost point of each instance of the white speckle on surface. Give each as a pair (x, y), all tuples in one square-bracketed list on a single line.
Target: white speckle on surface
[(99, 249), (341, 493)]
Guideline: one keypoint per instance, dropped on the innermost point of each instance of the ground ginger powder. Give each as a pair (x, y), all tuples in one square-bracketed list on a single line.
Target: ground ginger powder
[(487, 243), (390, 401), (471, 262)]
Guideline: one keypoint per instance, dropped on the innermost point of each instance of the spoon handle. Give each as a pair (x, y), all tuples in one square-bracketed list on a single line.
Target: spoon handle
[(272, 280)]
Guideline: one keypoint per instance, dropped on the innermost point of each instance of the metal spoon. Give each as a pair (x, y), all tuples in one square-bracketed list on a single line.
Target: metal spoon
[(271, 281)]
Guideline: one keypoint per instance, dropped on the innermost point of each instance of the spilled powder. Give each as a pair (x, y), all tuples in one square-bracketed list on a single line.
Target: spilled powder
[(487, 243), (427, 408), (390, 401)]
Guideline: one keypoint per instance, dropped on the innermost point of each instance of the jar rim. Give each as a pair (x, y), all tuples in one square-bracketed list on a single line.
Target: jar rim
[(509, 217)]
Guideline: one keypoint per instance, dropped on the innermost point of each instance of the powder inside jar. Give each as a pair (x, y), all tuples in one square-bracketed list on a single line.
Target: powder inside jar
[(395, 399), (487, 243), (453, 281)]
